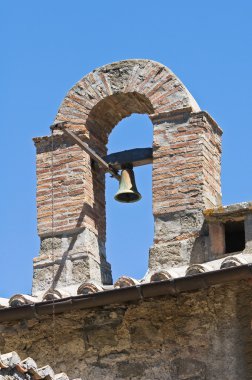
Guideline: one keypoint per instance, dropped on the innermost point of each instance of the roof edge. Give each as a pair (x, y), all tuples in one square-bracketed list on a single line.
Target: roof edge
[(128, 294)]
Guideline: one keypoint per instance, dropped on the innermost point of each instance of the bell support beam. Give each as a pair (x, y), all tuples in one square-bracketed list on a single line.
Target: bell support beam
[(136, 157)]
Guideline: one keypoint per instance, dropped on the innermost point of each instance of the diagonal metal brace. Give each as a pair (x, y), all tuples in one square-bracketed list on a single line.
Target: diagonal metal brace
[(107, 167)]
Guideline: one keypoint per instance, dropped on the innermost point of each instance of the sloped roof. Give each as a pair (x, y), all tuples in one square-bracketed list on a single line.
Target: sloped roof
[(170, 280), (128, 293), (239, 259), (13, 367)]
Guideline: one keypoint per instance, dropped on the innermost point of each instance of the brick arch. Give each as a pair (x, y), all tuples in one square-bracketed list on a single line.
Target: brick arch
[(95, 105), (101, 99), (185, 176), (123, 88)]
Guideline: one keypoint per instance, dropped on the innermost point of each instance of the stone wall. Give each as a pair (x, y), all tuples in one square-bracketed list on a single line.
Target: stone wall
[(200, 335)]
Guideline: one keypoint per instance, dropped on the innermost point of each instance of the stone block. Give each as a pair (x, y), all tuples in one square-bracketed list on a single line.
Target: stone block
[(188, 369), (71, 259), (217, 239)]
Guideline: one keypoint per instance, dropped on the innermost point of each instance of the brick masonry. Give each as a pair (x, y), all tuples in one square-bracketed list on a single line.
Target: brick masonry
[(186, 180), (186, 172)]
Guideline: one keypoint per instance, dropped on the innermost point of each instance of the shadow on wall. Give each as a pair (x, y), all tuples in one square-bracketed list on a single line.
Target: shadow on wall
[(87, 210)]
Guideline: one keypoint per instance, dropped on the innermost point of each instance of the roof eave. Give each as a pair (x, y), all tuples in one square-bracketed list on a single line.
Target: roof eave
[(127, 294)]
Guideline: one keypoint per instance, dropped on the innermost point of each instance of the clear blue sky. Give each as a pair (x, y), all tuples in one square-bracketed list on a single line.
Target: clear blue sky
[(47, 46)]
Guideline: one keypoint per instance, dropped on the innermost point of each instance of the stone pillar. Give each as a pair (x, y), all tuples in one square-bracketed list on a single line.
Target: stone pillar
[(71, 218), (186, 180), (217, 240)]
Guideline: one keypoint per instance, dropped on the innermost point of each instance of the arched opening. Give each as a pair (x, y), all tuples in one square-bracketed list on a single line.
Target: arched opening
[(130, 226)]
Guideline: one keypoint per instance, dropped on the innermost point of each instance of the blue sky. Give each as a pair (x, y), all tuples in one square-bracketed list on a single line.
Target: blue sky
[(47, 46)]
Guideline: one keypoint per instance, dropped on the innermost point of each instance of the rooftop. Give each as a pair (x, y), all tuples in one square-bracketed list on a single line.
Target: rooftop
[(13, 367)]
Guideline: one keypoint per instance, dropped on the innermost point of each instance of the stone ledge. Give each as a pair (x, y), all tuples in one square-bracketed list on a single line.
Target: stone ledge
[(229, 212)]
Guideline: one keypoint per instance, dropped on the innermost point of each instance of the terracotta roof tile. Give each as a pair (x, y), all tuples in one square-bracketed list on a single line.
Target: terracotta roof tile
[(234, 260), (11, 366)]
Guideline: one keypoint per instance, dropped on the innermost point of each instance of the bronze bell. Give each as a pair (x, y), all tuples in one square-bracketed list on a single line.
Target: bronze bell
[(127, 192)]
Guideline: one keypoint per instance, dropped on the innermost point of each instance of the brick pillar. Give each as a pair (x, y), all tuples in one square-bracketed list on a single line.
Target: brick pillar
[(77, 205), (186, 180)]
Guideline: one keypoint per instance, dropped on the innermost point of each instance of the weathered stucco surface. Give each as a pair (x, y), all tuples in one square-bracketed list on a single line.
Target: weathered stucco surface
[(200, 335)]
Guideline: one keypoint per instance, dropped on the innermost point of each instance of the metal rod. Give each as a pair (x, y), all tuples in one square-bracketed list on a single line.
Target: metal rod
[(88, 150)]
